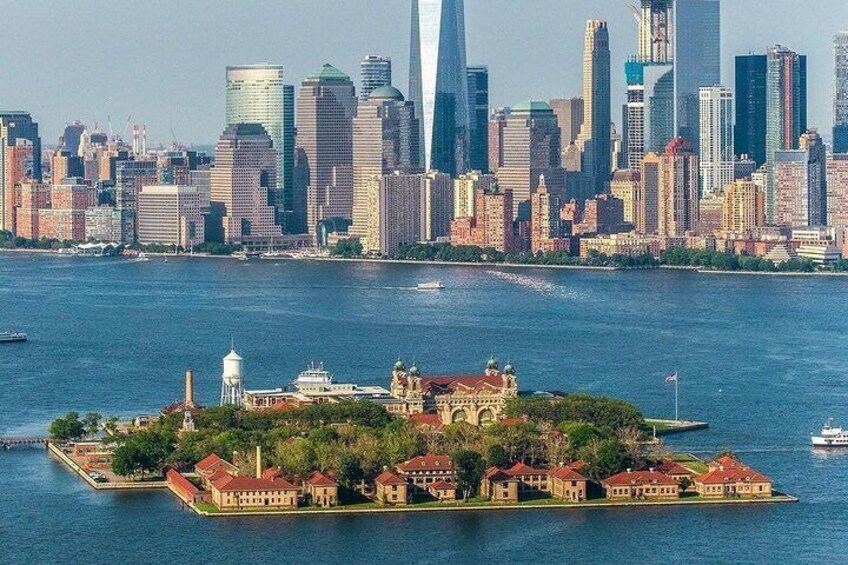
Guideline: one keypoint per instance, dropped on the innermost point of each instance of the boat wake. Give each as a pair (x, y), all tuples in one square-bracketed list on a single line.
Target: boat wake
[(537, 285)]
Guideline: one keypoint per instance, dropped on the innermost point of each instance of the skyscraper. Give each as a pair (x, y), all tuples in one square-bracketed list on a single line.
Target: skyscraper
[(438, 83), (840, 94), (569, 114), (800, 183), (655, 31), (786, 110), (496, 125), (16, 129), (385, 140), (375, 71), (750, 131), (645, 203), (325, 109), (743, 208), (677, 197), (597, 118), (716, 155), (478, 104), (659, 106), (257, 94), (531, 148), (245, 172), (697, 61)]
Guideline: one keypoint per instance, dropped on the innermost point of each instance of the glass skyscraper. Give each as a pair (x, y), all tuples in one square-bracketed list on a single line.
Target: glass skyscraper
[(697, 61), (478, 104), (438, 83), (596, 136), (257, 94), (750, 130), (376, 72), (840, 94)]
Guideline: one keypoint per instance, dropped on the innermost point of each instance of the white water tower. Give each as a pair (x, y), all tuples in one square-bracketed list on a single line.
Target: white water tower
[(231, 380)]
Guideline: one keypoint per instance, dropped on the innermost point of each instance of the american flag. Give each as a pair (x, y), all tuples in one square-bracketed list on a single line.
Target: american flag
[(672, 378)]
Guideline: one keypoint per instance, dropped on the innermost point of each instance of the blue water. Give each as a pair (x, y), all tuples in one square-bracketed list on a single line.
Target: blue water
[(761, 358)]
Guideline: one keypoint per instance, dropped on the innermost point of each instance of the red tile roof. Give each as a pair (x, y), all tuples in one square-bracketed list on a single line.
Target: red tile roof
[(389, 478), (208, 462), (177, 481), (638, 478), (431, 420), (445, 384), (442, 485), (521, 468), (272, 473), (739, 475), (567, 474), (668, 467), (427, 463), (219, 474), (238, 484), (728, 462), (578, 465), (496, 475), (319, 479)]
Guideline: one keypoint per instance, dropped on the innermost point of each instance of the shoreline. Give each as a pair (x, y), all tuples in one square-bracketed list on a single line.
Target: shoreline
[(471, 507), (489, 265)]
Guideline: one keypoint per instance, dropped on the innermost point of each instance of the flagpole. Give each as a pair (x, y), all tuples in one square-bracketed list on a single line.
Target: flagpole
[(676, 398)]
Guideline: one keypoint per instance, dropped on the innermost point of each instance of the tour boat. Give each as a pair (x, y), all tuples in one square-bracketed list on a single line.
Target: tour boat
[(831, 437), (437, 285), (12, 337), (142, 257)]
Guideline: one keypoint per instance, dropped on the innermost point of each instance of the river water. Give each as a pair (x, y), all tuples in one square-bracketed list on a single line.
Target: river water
[(761, 358)]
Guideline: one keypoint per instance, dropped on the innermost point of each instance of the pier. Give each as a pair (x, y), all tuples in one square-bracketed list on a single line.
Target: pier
[(10, 442)]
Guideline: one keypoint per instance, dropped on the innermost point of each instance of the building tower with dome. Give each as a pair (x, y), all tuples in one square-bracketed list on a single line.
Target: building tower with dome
[(232, 387), (478, 400)]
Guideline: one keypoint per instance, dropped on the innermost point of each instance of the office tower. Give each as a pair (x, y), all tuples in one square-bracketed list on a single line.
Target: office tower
[(438, 83), (385, 140), (375, 72), (545, 221), (531, 148), (497, 123), (597, 117), (257, 94), (491, 225), (634, 113), (325, 109), (697, 61), (436, 206), (840, 93), (65, 219), (800, 183), (837, 191), (646, 203), (743, 167), (130, 176), (716, 156), (625, 186), (17, 161), (465, 189), (786, 110), (478, 105), (72, 137), (65, 164), (677, 197), (34, 196), (245, 172), (750, 129), (744, 207), (103, 223), (394, 212), (170, 215), (569, 115), (656, 32)]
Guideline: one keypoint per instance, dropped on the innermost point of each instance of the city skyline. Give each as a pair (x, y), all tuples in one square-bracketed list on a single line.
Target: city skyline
[(177, 68)]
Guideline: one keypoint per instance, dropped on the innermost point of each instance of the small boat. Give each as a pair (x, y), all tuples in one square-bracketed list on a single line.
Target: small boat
[(427, 286), (241, 256), (142, 257), (12, 337), (831, 437)]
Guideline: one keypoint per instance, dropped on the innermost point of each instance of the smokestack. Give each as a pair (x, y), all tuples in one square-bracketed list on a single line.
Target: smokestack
[(258, 462), (189, 388)]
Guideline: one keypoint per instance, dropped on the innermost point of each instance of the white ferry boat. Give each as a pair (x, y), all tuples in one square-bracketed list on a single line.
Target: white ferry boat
[(12, 337), (831, 437), (427, 286)]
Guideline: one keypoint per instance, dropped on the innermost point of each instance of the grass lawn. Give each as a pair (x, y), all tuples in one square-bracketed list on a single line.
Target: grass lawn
[(691, 462)]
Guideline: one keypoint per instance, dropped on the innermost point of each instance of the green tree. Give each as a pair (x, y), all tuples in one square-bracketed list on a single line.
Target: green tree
[(68, 428), (143, 452), (350, 470), (579, 434), (605, 458), (91, 421), (296, 456), (496, 456), (469, 467)]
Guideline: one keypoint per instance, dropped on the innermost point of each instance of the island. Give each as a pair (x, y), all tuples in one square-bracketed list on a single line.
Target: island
[(427, 443)]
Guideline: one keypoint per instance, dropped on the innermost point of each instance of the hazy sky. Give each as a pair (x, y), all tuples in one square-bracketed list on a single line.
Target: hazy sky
[(162, 61)]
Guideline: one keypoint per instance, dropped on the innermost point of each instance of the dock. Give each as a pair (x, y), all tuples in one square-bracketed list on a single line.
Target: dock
[(667, 427), (10, 442)]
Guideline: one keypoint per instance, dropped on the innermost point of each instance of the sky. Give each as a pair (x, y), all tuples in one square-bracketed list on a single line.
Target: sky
[(162, 62)]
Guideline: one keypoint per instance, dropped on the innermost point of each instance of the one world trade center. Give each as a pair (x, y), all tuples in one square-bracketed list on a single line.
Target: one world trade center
[(438, 83)]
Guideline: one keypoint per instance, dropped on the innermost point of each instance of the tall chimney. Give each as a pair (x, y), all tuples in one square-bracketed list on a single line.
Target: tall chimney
[(189, 388), (258, 462)]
